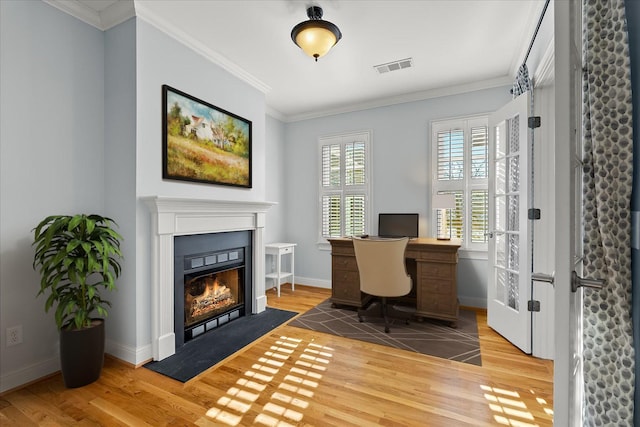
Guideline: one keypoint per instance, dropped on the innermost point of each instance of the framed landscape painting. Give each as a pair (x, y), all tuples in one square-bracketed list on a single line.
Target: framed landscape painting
[(203, 143)]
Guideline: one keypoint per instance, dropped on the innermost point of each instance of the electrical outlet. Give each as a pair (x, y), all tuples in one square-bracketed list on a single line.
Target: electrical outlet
[(14, 335)]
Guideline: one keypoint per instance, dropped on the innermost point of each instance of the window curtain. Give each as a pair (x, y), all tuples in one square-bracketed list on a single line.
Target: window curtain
[(609, 359), (632, 9), (522, 82)]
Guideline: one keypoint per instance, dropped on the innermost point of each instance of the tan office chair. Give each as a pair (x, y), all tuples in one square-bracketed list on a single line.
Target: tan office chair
[(383, 272)]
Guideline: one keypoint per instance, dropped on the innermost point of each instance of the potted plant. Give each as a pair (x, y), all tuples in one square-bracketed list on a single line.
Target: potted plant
[(77, 258)]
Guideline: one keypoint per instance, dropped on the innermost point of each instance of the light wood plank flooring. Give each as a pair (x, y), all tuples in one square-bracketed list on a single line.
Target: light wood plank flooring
[(296, 377)]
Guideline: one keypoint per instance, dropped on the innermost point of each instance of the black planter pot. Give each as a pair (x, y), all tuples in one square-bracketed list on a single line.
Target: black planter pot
[(82, 354)]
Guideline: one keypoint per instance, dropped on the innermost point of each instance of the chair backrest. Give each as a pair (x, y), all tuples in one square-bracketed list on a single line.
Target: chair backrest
[(382, 267)]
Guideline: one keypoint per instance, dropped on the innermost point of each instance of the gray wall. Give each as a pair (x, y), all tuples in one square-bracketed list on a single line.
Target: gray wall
[(120, 177), (277, 173), (401, 157), (51, 161)]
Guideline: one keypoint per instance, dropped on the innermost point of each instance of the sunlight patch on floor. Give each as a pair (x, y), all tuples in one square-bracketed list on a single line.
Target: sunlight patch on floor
[(292, 391), (510, 409)]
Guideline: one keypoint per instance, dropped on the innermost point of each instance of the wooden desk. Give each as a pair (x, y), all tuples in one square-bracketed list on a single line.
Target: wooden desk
[(430, 262)]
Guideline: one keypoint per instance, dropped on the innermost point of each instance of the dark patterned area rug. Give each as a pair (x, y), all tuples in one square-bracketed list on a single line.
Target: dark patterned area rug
[(431, 337)]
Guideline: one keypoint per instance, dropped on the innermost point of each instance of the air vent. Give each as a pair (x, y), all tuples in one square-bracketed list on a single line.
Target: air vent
[(395, 65)]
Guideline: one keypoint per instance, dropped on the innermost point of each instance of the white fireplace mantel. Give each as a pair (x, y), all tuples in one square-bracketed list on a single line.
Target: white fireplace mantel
[(181, 216)]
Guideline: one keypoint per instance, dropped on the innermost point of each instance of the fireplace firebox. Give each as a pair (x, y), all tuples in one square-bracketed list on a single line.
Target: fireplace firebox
[(212, 281), (210, 294)]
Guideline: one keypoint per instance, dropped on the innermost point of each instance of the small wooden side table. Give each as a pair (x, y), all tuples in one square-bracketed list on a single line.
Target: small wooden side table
[(279, 251)]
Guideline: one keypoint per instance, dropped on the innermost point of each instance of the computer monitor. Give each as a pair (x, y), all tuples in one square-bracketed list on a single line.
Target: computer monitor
[(398, 225)]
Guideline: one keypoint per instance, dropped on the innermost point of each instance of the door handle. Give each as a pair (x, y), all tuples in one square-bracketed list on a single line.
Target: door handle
[(541, 277), (579, 282), (490, 234)]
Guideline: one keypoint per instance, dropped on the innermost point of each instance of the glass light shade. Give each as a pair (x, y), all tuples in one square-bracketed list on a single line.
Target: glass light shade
[(316, 41), (315, 36)]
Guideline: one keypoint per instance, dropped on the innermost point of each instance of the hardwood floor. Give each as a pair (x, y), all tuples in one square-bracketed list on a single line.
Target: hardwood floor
[(296, 377)]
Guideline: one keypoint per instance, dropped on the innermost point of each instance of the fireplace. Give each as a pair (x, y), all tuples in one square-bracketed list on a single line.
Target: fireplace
[(172, 217), (212, 280)]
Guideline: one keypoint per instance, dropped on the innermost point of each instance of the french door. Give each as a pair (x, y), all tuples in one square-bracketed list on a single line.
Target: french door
[(568, 370), (509, 286), (569, 364)]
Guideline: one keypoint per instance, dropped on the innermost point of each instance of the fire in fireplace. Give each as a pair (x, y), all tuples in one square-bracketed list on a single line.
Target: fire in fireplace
[(212, 281), (208, 295)]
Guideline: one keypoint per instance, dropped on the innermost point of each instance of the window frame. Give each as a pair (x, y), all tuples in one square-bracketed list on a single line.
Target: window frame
[(343, 139), (466, 185)]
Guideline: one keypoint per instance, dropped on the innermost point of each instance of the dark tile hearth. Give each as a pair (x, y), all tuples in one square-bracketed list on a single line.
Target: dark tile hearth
[(212, 347), (430, 337)]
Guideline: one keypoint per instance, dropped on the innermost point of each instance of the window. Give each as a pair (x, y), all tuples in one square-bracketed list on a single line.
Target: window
[(344, 185), (460, 167)]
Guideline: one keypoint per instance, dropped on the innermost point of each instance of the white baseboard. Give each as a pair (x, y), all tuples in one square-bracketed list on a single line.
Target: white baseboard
[(472, 302), (40, 370), (317, 283), (29, 374), (129, 354)]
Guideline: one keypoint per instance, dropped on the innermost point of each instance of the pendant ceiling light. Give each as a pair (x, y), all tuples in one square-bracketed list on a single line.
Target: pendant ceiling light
[(315, 36)]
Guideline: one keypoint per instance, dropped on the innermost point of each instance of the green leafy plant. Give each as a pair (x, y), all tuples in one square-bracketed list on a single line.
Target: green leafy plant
[(77, 257)]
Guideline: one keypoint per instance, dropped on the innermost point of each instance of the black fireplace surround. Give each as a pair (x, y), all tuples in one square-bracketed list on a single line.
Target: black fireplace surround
[(209, 256)]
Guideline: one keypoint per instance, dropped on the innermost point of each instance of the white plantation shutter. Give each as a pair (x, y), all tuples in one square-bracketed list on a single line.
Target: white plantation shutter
[(479, 216), (479, 209), (355, 215), (460, 165), (331, 216), (331, 165), (450, 154), (355, 163), (479, 152), (344, 185)]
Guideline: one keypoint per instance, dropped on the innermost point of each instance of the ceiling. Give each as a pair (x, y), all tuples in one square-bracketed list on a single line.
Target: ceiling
[(455, 45)]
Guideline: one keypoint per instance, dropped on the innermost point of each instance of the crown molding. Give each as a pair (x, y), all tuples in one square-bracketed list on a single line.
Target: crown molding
[(544, 73), (115, 14), (272, 112), (172, 31), (409, 97)]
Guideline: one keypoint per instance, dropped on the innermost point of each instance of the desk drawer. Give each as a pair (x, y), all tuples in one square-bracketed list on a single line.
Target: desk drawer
[(436, 287), (351, 295), (431, 269), (439, 304), (445, 257), (345, 288), (342, 250), (347, 263), (346, 278)]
